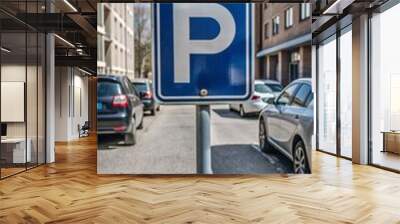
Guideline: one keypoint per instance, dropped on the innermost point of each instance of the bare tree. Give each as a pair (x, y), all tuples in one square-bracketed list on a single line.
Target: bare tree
[(142, 36)]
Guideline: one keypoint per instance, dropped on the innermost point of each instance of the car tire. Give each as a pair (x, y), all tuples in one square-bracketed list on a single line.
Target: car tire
[(241, 111), (130, 138), (153, 112), (265, 146), (158, 108), (300, 164)]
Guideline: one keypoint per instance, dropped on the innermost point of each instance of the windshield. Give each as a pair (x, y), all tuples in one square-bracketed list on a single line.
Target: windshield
[(261, 88), (108, 88), (275, 87), (140, 86)]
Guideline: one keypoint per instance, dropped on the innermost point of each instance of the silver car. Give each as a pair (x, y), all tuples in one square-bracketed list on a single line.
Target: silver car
[(286, 124), (263, 90)]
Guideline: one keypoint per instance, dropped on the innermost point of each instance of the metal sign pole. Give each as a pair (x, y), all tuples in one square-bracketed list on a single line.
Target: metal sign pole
[(203, 137)]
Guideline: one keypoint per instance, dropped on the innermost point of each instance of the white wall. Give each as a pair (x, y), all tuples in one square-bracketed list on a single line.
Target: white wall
[(71, 87), (61, 103), (14, 73)]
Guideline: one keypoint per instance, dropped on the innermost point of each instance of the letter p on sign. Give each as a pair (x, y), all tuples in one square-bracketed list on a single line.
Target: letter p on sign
[(184, 46), (202, 47)]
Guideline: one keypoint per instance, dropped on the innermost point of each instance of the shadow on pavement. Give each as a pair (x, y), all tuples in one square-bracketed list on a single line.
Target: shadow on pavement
[(105, 142), (226, 113), (247, 159)]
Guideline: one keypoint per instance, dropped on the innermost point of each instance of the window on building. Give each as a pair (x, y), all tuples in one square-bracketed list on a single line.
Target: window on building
[(266, 31), (122, 62), (116, 56), (275, 25), (345, 93), (100, 48), (100, 15), (327, 96), (116, 28), (385, 89), (305, 11), (289, 18)]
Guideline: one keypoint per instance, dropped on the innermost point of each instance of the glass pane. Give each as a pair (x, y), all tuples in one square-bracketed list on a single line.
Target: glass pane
[(41, 98), (302, 95), (287, 95), (385, 84), (13, 85), (31, 98), (346, 94), (327, 96)]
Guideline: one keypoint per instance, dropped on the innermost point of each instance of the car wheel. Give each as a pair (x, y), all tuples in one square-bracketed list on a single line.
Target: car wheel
[(300, 165), (241, 111), (158, 108), (153, 111), (130, 139), (262, 136)]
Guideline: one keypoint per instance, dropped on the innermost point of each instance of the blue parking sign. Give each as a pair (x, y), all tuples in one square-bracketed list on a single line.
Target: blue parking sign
[(203, 52)]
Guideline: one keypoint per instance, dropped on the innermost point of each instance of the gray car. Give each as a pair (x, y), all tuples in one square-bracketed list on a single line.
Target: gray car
[(286, 124)]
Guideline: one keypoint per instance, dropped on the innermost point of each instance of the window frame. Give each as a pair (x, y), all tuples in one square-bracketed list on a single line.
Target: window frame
[(305, 102), (266, 30), (307, 15), (291, 96), (331, 35), (275, 26), (289, 12)]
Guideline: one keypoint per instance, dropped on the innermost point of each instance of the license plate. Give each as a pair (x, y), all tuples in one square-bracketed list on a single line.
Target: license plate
[(99, 106)]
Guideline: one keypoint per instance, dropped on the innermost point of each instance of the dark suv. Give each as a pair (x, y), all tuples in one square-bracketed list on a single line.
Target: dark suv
[(119, 108), (145, 89)]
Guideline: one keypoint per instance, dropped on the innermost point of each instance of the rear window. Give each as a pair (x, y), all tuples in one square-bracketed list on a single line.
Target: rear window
[(108, 88), (275, 87), (261, 88), (140, 86)]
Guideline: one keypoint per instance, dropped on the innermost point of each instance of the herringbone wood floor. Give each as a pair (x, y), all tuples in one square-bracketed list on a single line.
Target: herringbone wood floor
[(69, 191)]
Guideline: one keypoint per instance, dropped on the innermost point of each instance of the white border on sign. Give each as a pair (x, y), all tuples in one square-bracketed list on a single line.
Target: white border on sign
[(206, 99)]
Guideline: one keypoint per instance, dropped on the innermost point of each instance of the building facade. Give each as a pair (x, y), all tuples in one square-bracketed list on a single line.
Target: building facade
[(115, 39), (283, 41)]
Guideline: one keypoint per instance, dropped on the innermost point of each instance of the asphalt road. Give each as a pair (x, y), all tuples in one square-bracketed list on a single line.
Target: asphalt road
[(166, 145)]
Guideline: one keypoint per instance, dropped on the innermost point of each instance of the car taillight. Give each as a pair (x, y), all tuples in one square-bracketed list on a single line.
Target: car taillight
[(120, 128), (120, 101), (148, 95), (255, 97)]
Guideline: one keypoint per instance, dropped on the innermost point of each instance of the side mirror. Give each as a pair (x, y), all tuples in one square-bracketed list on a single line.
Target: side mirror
[(271, 100)]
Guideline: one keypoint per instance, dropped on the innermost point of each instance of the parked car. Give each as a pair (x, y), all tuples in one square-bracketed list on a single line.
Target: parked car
[(286, 124), (274, 86), (145, 89), (119, 108), (263, 90)]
